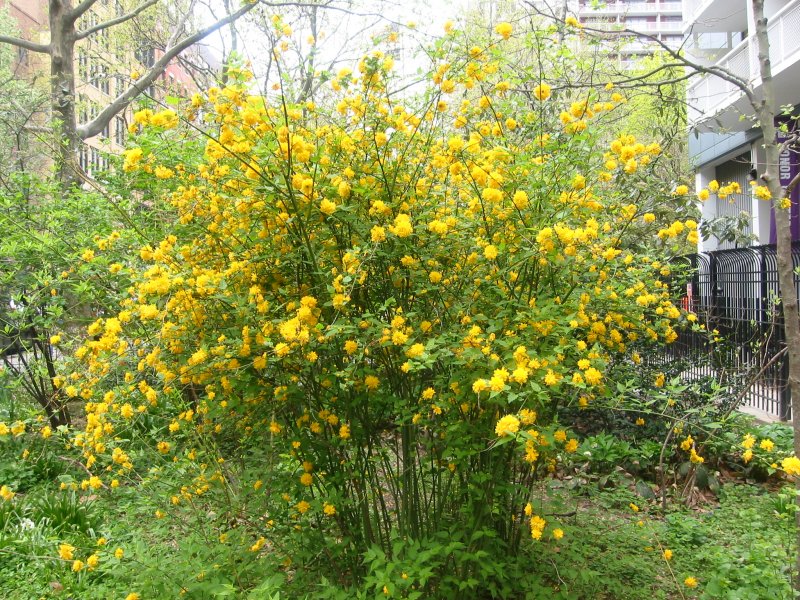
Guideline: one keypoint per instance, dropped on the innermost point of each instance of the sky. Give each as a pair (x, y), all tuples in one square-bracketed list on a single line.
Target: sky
[(346, 34)]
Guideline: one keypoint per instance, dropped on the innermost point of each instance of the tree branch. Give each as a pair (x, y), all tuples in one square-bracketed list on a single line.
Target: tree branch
[(115, 21), (20, 43), (96, 125), (180, 25), (675, 55), (76, 12)]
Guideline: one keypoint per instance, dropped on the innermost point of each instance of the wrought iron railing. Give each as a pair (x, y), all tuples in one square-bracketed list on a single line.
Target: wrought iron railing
[(735, 294)]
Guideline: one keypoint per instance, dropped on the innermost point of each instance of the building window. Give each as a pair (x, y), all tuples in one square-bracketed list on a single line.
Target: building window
[(119, 131), (146, 56), (102, 79), (83, 109), (83, 157), (83, 65)]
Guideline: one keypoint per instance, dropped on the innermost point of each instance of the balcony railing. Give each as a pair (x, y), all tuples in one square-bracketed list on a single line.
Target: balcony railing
[(710, 93), (643, 27), (692, 8), (634, 7)]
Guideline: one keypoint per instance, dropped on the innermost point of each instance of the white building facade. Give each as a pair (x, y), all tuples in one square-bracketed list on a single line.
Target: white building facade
[(724, 144)]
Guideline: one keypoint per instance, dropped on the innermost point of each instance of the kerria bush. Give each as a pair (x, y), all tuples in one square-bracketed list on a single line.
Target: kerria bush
[(367, 313)]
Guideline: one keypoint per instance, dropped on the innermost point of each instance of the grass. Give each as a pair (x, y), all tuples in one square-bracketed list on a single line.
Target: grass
[(739, 546)]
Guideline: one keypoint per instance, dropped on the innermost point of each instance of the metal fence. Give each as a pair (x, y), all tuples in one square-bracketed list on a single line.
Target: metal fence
[(734, 293)]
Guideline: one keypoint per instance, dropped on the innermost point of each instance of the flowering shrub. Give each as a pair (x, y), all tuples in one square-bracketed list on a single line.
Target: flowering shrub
[(365, 318)]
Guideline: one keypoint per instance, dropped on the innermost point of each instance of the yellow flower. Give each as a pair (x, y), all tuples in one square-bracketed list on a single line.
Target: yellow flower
[(66, 551), (119, 553), (762, 192), (329, 509), (791, 465), (558, 534), (508, 425), (6, 493), (77, 566), (667, 554), (520, 199), (402, 226), (593, 376), (327, 207), (690, 582), (258, 545), (350, 347), (527, 416), (504, 30), (560, 435), (767, 444), (537, 527), (490, 252), (542, 92), (435, 277), (415, 351), (378, 234)]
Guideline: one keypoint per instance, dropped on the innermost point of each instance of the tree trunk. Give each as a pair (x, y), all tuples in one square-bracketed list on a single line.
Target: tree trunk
[(62, 87), (788, 292)]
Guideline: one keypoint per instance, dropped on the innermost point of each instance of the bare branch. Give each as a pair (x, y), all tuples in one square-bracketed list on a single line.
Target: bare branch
[(96, 125), (180, 25), (20, 43), (115, 21), (675, 55), (76, 12)]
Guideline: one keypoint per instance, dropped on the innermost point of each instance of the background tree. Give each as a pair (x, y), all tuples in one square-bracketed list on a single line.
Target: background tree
[(66, 30), (22, 105)]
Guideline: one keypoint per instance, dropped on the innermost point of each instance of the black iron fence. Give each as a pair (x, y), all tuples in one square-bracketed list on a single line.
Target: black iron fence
[(734, 293)]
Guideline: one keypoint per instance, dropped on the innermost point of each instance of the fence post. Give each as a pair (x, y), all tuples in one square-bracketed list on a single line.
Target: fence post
[(715, 293)]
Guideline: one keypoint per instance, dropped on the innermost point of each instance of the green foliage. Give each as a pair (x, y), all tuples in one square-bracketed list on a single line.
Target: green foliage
[(27, 462), (66, 512), (334, 351)]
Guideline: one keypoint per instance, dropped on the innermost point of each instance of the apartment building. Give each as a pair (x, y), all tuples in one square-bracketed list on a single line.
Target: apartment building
[(104, 65), (660, 20), (724, 144)]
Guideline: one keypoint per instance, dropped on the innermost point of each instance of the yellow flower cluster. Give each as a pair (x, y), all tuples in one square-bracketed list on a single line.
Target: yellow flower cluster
[(446, 270)]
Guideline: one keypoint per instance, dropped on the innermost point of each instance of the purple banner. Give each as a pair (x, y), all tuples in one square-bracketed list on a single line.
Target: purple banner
[(788, 168)]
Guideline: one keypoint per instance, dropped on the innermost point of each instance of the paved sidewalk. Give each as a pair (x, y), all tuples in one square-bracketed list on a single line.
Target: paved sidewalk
[(760, 415)]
